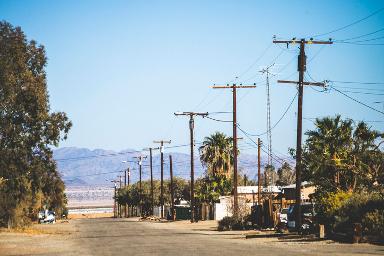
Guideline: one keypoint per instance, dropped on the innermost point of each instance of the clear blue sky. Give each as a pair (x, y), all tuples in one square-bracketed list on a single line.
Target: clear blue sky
[(121, 68)]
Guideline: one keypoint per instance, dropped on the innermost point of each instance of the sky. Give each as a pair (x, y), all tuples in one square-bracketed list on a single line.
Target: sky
[(120, 69)]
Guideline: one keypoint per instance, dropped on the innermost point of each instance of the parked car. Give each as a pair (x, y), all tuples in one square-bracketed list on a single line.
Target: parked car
[(47, 216), (283, 215), (307, 216)]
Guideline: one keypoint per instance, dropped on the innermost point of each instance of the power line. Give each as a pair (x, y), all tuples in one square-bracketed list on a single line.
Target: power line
[(366, 121), (95, 156), (378, 44), (359, 88), (219, 120), (366, 40), (354, 82), (256, 61), (273, 61), (367, 93), (361, 103), (351, 24), (246, 134), (117, 154), (281, 118), (356, 37)]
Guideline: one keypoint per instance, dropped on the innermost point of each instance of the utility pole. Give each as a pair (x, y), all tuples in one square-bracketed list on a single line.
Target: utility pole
[(128, 176), (119, 205), (125, 186), (302, 66), (151, 170), (162, 174), (140, 162), (234, 121), (192, 144), (258, 172), (172, 192), (114, 201)]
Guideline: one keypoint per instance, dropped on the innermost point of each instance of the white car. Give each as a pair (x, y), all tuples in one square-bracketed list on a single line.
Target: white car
[(283, 215), (47, 217)]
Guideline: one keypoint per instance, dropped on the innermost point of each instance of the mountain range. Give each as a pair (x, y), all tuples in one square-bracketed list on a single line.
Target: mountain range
[(82, 166)]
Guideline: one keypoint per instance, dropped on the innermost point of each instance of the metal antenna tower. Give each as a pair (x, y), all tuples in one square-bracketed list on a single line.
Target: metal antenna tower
[(269, 131)]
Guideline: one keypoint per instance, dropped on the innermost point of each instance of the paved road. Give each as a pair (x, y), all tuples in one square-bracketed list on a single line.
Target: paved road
[(129, 237)]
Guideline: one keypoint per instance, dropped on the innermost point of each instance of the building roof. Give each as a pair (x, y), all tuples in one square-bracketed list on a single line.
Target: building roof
[(254, 189), (303, 184)]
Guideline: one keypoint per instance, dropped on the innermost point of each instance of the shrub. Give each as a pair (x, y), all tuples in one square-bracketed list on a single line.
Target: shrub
[(373, 223), (233, 223), (328, 206), (341, 209), (227, 223)]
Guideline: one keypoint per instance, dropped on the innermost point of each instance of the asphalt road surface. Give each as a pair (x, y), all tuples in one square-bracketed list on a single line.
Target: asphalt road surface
[(107, 236)]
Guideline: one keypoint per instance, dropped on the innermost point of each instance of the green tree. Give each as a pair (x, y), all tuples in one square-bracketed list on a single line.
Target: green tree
[(339, 155), (216, 154), (27, 131), (211, 187), (285, 174), (131, 194), (269, 176)]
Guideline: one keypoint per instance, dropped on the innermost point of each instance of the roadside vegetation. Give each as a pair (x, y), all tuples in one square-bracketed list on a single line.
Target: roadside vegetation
[(345, 160), (29, 180)]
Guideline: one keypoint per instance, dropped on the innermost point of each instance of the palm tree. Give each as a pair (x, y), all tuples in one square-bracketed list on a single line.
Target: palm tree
[(216, 154), (341, 155)]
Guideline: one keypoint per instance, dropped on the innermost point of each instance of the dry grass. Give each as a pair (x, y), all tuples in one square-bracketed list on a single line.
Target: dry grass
[(39, 229)]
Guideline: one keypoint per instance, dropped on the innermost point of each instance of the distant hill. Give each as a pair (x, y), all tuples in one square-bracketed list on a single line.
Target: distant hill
[(82, 166)]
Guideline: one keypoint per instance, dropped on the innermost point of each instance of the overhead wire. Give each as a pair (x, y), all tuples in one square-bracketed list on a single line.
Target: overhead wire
[(360, 36), (362, 41), (359, 92), (250, 138), (218, 120), (361, 103), (281, 118), (256, 61), (117, 154), (273, 61), (349, 25), (354, 82), (358, 88)]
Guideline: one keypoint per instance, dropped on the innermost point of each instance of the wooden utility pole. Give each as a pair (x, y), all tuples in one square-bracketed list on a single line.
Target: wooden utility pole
[(140, 162), (192, 144), (302, 59), (258, 172), (162, 174), (114, 198), (171, 188), (151, 170), (234, 123), (119, 205), (125, 186), (128, 176)]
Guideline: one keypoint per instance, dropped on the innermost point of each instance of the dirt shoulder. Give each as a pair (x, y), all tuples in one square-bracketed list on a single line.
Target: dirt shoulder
[(49, 239), (109, 236)]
